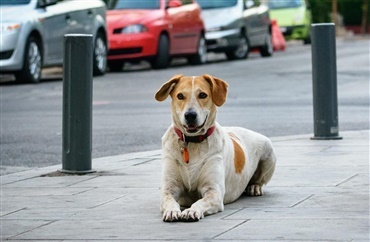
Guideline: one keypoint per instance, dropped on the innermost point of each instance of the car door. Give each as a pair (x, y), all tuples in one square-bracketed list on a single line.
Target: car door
[(254, 15), (81, 16), (55, 26), (195, 25), (182, 37)]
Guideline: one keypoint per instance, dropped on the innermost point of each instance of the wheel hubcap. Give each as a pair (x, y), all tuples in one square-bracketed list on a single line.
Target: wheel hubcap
[(269, 44), (100, 53), (202, 50), (242, 48), (34, 60)]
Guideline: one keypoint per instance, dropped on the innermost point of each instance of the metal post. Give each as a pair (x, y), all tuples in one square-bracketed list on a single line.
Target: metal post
[(324, 77), (77, 103)]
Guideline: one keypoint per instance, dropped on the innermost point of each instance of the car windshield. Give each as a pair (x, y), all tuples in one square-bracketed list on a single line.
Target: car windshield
[(133, 4), (276, 4), (12, 2), (207, 4)]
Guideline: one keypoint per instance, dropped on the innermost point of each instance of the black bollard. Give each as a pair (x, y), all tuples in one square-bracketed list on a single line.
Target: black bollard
[(324, 77), (77, 103)]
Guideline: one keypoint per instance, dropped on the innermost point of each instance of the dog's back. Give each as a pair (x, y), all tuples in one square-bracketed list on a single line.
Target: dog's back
[(253, 153)]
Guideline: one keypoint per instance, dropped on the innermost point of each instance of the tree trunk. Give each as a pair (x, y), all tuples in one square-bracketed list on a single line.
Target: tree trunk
[(365, 8)]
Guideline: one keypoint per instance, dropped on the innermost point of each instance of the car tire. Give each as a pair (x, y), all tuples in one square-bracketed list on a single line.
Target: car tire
[(307, 40), (201, 56), (267, 49), (115, 66), (241, 52), (162, 59), (100, 55), (32, 64)]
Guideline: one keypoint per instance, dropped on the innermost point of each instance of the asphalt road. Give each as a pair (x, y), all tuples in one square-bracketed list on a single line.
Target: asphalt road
[(269, 95)]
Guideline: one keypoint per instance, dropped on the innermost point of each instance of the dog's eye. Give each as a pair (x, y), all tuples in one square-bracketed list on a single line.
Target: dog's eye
[(203, 95), (180, 96)]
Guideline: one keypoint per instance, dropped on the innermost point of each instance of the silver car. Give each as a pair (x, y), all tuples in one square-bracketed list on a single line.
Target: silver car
[(32, 34), (237, 26)]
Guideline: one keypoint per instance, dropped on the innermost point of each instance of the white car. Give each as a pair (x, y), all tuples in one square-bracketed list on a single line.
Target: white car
[(234, 27), (32, 34)]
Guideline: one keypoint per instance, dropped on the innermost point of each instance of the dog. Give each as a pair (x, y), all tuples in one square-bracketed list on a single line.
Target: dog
[(206, 165)]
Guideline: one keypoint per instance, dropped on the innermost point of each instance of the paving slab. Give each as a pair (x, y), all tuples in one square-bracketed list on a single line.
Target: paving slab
[(319, 192)]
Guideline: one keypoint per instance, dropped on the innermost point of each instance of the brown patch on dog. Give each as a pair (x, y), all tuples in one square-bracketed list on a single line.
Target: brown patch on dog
[(239, 156)]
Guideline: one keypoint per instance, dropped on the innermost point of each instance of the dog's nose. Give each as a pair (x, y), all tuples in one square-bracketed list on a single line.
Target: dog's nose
[(190, 116)]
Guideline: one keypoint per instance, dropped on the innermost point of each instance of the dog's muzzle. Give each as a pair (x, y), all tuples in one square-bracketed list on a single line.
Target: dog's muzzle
[(191, 118)]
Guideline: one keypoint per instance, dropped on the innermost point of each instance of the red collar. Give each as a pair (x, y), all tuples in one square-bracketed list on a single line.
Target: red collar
[(194, 139)]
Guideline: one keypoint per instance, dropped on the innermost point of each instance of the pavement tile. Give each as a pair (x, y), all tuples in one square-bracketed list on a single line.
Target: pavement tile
[(128, 181), (11, 228), (140, 228), (297, 213), (300, 229), (271, 198), (51, 182)]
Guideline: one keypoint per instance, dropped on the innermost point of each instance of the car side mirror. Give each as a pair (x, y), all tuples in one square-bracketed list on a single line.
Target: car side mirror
[(45, 3), (249, 4), (174, 4)]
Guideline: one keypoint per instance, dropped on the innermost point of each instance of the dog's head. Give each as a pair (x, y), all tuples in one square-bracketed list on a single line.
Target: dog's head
[(194, 101)]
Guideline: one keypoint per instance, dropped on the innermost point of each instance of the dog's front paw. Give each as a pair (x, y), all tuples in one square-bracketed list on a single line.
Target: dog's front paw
[(191, 215), (254, 190), (171, 215)]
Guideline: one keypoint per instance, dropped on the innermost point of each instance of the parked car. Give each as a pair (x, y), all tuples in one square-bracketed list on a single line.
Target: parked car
[(32, 34), (293, 17), (155, 30), (237, 26)]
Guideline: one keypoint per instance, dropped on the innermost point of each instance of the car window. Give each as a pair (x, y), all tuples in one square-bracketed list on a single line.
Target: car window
[(207, 4), (252, 3), (276, 4), (12, 2), (186, 2), (134, 4)]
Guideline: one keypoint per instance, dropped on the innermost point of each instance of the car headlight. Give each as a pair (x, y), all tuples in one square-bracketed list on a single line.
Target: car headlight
[(134, 29), (220, 28), (9, 27), (214, 29)]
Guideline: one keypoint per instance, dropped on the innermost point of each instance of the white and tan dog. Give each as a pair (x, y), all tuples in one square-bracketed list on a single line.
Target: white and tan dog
[(206, 165)]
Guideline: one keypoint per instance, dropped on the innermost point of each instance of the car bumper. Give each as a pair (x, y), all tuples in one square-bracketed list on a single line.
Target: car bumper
[(222, 40), (295, 32), (11, 55), (132, 46)]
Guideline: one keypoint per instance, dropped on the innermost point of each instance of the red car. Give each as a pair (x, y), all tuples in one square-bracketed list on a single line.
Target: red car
[(155, 30)]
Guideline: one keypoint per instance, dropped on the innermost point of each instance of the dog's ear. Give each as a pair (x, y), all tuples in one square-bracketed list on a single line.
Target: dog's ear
[(167, 88), (219, 89)]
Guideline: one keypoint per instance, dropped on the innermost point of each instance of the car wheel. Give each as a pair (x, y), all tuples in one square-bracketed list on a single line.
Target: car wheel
[(162, 59), (307, 40), (241, 52), (31, 71), (115, 66), (201, 56), (267, 49), (100, 55)]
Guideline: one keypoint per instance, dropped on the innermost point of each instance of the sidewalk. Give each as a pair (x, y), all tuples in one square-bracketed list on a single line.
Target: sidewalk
[(320, 191)]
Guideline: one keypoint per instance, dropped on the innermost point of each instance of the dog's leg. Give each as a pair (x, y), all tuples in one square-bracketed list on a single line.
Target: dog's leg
[(263, 174), (169, 207), (210, 203), (171, 190)]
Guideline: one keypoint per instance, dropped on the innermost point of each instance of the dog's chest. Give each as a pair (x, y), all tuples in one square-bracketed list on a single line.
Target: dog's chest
[(191, 171)]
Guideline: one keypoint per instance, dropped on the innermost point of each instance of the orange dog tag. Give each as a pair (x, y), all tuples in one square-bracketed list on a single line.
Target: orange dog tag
[(185, 154)]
